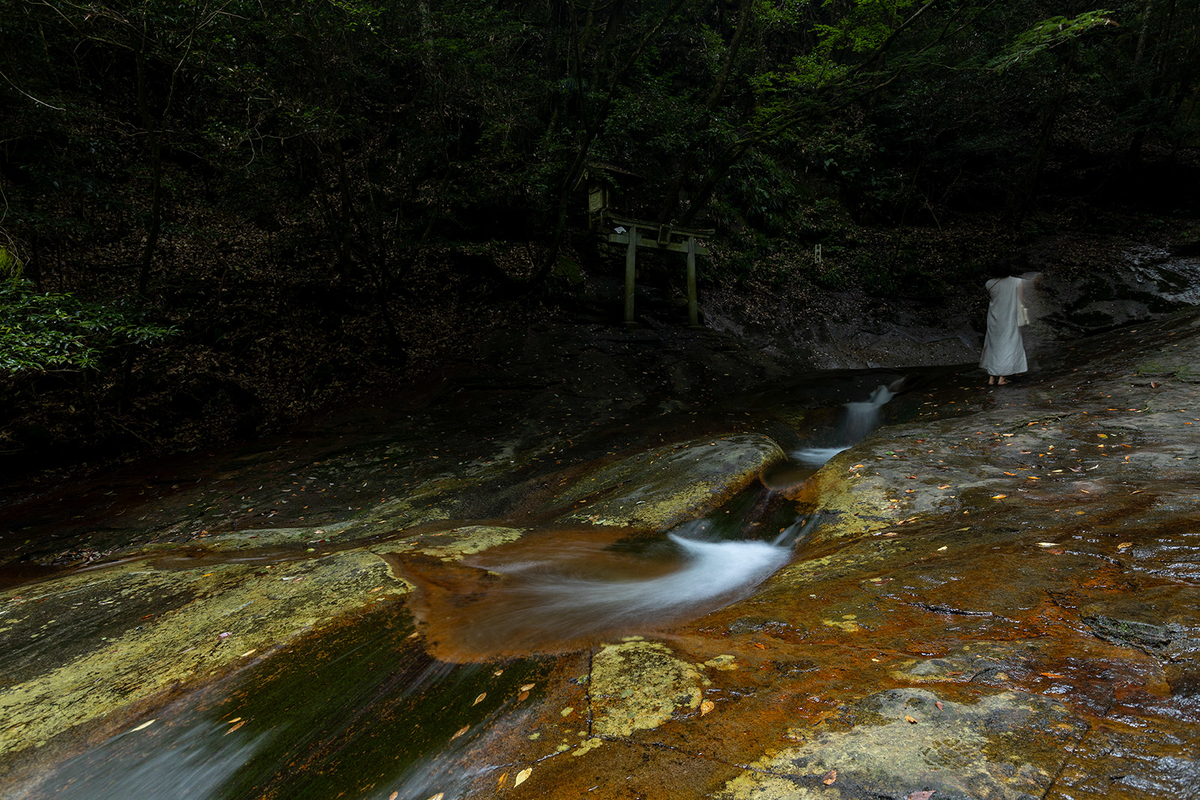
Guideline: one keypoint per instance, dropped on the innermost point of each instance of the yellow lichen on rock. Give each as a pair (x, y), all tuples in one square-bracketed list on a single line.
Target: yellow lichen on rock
[(661, 488), (223, 613), (469, 540), (640, 685)]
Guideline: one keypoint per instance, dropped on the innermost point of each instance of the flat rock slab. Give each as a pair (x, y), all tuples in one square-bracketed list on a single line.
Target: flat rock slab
[(1000, 602)]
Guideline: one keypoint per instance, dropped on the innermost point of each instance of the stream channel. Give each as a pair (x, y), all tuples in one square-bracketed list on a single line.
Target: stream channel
[(405, 693)]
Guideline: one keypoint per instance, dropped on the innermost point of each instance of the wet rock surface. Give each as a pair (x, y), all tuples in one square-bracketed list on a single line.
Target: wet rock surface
[(999, 601)]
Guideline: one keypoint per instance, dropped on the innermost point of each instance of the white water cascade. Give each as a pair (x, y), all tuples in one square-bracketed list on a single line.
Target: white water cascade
[(861, 418)]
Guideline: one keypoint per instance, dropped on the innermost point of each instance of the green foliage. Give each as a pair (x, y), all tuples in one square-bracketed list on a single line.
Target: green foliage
[(41, 332), (1048, 34), (10, 266)]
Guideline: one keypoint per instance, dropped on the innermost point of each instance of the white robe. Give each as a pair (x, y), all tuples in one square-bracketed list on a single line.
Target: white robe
[(1003, 348)]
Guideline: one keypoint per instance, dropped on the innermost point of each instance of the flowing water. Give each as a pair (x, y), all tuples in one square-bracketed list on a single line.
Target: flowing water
[(378, 707)]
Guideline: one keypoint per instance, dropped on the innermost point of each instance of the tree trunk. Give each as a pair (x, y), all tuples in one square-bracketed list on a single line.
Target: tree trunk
[(156, 187)]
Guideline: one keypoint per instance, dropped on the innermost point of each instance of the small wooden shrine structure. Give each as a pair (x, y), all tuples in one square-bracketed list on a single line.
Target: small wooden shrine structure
[(635, 233)]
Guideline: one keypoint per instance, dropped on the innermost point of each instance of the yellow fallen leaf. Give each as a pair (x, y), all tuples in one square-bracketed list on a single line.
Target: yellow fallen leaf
[(909, 720), (943, 547), (438, 796), (999, 496), (707, 706), (393, 795), (1051, 675), (460, 732), (938, 703), (144, 725), (1046, 544), (830, 777), (523, 775), (235, 727), (1124, 545), (479, 699), (944, 486), (231, 721), (527, 687)]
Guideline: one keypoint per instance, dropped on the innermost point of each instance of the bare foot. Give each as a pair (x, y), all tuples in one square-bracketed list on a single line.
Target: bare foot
[(991, 380), (1003, 382)]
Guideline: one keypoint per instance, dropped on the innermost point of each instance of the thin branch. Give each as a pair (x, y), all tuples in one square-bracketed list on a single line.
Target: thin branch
[(27, 94)]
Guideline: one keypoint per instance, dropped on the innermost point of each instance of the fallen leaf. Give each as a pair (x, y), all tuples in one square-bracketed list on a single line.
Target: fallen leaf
[(999, 496), (231, 721), (830, 777), (1051, 675), (146, 724), (1047, 544), (460, 732), (760, 646), (943, 547), (909, 720), (938, 703), (921, 795), (393, 795), (479, 699), (944, 486), (1124, 545), (1056, 552), (438, 796), (527, 687), (522, 697), (707, 706), (1137, 491), (522, 776), (235, 727)]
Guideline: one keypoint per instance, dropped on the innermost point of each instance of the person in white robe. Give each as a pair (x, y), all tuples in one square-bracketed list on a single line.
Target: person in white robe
[(1003, 345)]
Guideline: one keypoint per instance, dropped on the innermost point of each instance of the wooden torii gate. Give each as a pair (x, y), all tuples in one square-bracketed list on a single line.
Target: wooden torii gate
[(652, 235)]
